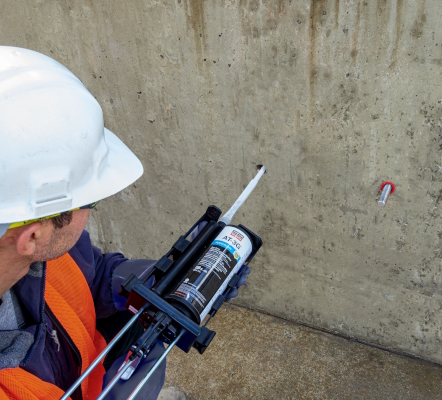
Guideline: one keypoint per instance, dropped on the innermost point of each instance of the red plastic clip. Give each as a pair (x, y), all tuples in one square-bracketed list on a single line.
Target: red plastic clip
[(393, 188)]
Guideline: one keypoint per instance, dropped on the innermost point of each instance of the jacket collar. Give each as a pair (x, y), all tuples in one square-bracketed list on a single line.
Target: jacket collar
[(17, 346)]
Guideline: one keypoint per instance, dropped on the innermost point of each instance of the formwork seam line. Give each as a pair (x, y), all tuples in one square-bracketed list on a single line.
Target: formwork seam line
[(340, 335)]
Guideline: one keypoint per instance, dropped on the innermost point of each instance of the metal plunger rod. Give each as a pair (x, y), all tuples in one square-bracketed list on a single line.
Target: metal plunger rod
[(149, 333), (228, 216), (114, 380), (155, 366), (106, 350)]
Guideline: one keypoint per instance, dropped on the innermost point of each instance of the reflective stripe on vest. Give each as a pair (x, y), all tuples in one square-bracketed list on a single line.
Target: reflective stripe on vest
[(69, 298)]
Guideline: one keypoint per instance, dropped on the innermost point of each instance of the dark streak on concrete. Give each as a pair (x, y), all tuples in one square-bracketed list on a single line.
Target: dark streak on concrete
[(418, 26), (383, 9), (355, 35), (381, 5), (317, 7), (337, 14), (196, 20), (399, 6)]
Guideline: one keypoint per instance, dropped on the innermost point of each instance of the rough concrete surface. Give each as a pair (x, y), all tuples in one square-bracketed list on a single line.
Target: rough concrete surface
[(172, 393), (256, 356), (333, 96)]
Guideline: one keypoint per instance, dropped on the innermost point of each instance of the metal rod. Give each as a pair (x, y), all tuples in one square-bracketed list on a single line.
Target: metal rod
[(228, 216), (114, 380), (155, 366), (106, 350), (384, 195)]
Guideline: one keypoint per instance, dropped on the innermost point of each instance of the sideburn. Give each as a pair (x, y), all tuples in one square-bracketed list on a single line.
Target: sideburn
[(62, 220)]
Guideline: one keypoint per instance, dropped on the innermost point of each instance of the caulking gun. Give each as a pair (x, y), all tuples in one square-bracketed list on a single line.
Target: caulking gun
[(192, 281)]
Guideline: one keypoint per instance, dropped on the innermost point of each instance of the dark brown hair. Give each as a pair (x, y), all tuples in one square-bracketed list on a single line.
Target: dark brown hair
[(62, 220)]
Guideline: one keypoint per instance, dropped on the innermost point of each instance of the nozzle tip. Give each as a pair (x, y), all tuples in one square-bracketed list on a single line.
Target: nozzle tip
[(259, 166)]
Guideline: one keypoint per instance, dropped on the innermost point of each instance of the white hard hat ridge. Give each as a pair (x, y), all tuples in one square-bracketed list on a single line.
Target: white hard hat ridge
[(55, 153)]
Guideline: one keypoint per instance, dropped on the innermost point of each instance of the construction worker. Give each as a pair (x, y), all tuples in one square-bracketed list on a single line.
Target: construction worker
[(59, 303), (56, 162)]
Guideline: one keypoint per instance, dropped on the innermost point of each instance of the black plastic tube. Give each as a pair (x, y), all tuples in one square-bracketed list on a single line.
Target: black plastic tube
[(185, 261)]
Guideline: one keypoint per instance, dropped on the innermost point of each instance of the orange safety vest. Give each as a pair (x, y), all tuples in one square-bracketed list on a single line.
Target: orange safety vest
[(69, 298)]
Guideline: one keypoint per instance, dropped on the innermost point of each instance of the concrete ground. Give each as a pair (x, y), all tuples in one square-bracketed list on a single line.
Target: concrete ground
[(256, 356)]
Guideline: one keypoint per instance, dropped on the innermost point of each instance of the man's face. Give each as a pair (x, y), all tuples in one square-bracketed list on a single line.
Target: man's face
[(57, 242)]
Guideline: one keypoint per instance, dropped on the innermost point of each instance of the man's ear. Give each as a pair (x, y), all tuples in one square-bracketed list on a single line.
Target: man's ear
[(27, 239)]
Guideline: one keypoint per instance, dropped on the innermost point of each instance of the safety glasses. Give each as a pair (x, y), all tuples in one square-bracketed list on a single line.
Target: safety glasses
[(31, 221)]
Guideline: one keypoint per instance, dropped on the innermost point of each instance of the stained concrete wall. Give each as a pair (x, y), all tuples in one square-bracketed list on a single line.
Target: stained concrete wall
[(334, 97)]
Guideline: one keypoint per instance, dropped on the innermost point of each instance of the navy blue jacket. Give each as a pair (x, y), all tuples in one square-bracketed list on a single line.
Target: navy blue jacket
[(51, 361)]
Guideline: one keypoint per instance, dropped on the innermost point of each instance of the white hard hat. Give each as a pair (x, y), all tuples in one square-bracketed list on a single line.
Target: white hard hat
[(55, 154)]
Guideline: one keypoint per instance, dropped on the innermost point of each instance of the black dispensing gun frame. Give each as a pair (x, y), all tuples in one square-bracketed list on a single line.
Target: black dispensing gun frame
[(174, 324), (168, 272)]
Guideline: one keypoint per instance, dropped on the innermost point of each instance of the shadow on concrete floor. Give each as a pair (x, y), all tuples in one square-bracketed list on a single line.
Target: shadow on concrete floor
[(256, 356)]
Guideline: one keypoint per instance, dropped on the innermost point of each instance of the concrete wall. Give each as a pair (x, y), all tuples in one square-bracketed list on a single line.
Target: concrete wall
[(334, 97)]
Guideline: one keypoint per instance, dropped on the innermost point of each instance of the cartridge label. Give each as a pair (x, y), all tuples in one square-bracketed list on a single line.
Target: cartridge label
[(211, 274)]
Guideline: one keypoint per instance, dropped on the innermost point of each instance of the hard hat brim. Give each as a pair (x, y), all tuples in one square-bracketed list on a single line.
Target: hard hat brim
[(122, 169)]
